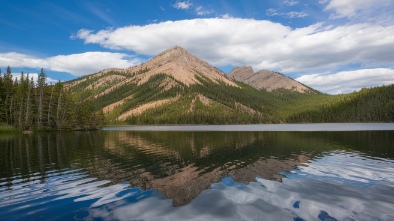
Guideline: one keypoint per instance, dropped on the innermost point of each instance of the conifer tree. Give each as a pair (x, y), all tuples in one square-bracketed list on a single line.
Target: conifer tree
[(28, 114), (2, 99), (8, 90), (40, 84)]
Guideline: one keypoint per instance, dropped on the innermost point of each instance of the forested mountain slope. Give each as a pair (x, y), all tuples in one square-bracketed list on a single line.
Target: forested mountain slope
[(368, 105), (176, 87)]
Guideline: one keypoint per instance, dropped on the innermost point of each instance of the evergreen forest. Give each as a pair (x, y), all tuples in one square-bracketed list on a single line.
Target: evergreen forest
[(27, 104)]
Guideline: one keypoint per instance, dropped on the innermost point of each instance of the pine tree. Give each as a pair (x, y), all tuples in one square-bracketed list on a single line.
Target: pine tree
[(19, 99), (41, 84), (50, 107), (28, 114), (8, 88), (2, 99)]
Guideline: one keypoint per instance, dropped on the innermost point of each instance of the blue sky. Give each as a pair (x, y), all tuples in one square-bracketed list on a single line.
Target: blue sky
[(336, 46)]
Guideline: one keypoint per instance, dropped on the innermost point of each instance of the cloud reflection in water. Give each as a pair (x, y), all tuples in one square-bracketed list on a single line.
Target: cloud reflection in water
[(307, 194)]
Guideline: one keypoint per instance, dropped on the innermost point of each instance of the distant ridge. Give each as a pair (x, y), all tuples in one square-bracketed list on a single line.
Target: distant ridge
[(265, 79)]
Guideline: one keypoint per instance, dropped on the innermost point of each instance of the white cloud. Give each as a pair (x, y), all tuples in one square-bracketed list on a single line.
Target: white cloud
[(261, 44), (350, 8), (183, 5), (348, 81), (226, 16), (13, 59), (272, 12), (201, 11), (290, 2), (76, 64), (34, 76), (294, 14), (186, 5)]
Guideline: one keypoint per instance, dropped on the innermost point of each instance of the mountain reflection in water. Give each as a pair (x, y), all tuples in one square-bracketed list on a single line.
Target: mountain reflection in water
[(122, 168)]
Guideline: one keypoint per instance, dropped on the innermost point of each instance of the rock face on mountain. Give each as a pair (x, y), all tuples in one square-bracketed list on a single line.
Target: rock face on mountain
[(266, 79), (184, 67), (180, 64)]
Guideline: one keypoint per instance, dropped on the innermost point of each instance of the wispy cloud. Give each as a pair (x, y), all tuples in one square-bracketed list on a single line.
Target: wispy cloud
[(103, 15), (202, 11), (64, 14), (272, 12), (188, 5), (292, 14), (290, 2), (183, 5)]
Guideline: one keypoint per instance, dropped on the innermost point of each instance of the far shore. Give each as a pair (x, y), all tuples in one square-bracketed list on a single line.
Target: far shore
[(261, 127)]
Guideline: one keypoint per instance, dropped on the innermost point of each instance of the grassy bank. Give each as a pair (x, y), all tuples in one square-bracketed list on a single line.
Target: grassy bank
[(7, 128)]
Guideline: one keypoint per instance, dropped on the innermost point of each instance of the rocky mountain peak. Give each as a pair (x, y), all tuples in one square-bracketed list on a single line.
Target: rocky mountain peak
[(183, 66), (173, 52), (265, 79), (241, 73)]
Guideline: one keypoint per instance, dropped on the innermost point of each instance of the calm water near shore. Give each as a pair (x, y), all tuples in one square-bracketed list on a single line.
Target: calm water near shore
[(243, 172), (265, 127)]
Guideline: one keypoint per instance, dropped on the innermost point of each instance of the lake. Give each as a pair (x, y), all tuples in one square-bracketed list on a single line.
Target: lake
[(228, 172)]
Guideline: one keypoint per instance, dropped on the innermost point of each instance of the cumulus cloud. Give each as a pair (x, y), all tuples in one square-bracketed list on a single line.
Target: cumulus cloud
[(76, 64), (259, 43), (90, 62), (14, 59), (348, 81), (349, 8)]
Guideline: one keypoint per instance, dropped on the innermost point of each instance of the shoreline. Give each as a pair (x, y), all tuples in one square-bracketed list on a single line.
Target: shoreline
[(260, 127)]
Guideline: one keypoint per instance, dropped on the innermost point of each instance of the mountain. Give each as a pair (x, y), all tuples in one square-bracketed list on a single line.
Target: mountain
[(173, 87), (176, 87), (267, 79)]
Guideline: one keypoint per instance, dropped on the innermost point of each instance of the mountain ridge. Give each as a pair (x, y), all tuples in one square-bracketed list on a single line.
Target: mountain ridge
[(174, 79), (265, 79)]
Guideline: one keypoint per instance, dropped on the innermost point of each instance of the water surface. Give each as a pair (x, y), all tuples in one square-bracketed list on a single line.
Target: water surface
[(264, 127), (197, 175)]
